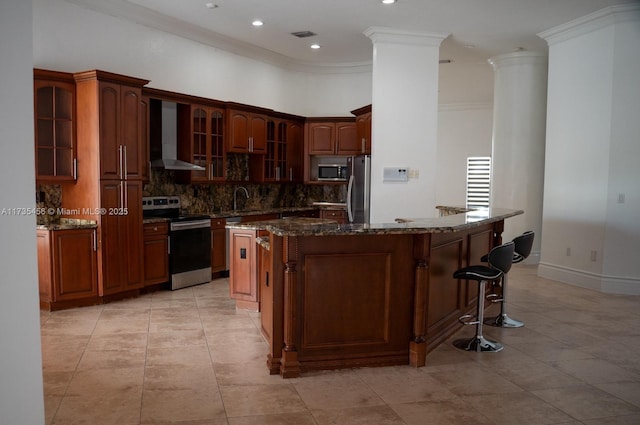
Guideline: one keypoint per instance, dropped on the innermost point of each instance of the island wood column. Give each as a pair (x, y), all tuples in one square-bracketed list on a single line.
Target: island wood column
[(418, 344), (289, 365)]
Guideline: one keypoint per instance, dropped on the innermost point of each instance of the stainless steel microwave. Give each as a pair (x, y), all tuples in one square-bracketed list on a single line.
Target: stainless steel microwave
[(333, 172)]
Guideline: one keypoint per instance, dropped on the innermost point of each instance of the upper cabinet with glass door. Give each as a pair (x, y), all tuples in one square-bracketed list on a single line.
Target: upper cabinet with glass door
[(54, 116), (201, 141)]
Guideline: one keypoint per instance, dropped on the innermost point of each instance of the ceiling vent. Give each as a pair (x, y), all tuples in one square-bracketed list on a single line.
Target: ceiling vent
[(303, 34)]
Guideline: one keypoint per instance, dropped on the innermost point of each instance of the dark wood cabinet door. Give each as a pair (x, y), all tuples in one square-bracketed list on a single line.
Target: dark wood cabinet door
[(74, 266), (156, 253), (363, 131), (322, 139), (121, 241), (131, 132), (132, 242), (110, 249), (258, 134), (295, 152), (239, 132), (346, 139), (109, 141)]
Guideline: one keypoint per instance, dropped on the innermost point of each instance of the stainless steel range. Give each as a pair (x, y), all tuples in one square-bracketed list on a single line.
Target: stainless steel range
[(189, 241)]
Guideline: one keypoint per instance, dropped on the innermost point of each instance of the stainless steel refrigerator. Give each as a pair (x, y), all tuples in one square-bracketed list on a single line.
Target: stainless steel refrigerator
[(359, 189)]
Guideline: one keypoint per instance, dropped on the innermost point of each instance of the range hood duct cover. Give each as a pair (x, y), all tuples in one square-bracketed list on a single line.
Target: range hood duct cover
[(169, 158)]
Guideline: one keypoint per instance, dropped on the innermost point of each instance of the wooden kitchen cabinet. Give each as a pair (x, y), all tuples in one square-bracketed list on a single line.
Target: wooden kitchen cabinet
[(156, 253), (335, 137), (295, 152), (111, 170), (67, 268), (334, 214), (218, 245), (54, 126), (363, 129), (118, 101), (121, 237), (243, 285), (247, 132), (201, 141)]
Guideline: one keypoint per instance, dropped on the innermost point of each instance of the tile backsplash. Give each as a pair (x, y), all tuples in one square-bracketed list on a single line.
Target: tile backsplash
[(210, 198)]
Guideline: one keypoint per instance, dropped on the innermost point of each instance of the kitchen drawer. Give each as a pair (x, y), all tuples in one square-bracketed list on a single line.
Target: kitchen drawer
[(338, 215), (155, 229), (218, 223)]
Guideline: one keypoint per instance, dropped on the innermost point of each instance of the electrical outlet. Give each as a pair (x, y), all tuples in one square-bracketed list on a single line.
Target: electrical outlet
[(621, 198), (594, 255), (568, 252)]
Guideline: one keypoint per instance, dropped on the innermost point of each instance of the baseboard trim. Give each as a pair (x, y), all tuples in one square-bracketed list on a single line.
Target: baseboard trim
[(596, 282)]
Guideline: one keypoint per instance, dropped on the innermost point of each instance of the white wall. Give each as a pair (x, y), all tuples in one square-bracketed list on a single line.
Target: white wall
[(72, 38), (463, 130), (21, 395), (592, 154)]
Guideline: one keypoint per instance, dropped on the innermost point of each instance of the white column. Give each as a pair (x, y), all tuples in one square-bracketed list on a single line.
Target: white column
[(519, 126), (404, 121)]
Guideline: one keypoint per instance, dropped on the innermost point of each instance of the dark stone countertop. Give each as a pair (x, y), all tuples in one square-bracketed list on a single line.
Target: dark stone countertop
[(68, 224), (302, 226)]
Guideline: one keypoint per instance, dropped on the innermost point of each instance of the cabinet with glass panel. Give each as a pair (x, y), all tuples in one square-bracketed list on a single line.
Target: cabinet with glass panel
[(54, 116), (201, 141)]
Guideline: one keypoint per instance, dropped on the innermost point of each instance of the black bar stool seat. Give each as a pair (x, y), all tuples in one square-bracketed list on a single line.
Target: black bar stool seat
[(499, 259)]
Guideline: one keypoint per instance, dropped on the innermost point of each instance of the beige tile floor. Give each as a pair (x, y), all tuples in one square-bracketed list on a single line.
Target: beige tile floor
[(189, 357)]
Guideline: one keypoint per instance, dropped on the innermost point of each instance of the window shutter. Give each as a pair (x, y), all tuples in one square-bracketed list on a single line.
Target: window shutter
[(478, 181)]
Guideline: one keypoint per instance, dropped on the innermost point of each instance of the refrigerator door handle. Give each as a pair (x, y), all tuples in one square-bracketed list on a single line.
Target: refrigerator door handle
[(349, 200)]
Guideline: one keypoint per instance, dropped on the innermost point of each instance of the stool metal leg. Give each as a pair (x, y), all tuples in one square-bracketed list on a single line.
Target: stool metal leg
[(479, 343), (503, 320)]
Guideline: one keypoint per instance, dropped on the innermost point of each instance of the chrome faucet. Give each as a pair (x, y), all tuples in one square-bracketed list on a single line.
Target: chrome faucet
[(235, 192)]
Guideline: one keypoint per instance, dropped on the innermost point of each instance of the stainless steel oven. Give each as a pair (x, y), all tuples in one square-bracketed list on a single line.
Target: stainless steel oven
[(189, 241)]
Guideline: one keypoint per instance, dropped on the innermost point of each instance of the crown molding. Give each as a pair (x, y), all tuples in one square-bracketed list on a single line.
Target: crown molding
[(592, 22), (140, 15), (395, 36)]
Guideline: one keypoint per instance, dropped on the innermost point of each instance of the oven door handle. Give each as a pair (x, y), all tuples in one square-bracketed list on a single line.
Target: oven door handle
[(198, 224)]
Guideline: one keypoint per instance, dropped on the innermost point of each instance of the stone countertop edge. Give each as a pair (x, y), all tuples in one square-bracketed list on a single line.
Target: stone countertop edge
[(68, 224), (318, 227), (262, 211)]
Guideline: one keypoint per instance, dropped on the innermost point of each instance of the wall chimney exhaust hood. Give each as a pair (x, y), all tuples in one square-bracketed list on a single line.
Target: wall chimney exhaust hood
[(166, 155)]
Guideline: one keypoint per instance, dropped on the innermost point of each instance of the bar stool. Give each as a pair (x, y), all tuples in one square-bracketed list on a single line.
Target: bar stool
[(522, 249), (500, 260)]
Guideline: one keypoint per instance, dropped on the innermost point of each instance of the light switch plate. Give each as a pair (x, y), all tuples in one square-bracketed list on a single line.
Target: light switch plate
[(395, 174)]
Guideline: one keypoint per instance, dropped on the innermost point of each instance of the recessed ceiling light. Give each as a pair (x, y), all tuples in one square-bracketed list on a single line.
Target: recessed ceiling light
[(257, 23), (315, 46), (211, 5), (388, 1)]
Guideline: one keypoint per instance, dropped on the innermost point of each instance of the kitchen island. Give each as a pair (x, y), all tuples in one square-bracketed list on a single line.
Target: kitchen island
[(336, 295)]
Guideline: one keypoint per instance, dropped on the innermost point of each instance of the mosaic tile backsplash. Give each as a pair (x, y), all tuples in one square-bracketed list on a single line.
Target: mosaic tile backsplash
[(211, 198)]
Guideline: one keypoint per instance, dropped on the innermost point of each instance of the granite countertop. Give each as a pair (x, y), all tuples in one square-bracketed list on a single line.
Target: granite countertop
[(68, 224), (301, 226)]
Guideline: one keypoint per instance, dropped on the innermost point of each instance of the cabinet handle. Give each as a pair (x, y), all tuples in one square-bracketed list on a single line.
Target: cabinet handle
[(120, 171), (125, 197), (277, 173), (94, 236), (168, 244), (363, 143), (124, 161), (267, 279), (155, 228), (75, 168), (291, 174)]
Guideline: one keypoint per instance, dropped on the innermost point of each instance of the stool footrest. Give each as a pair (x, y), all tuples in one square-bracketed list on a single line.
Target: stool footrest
[(478, 344), (465, 319), (494, 298)]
